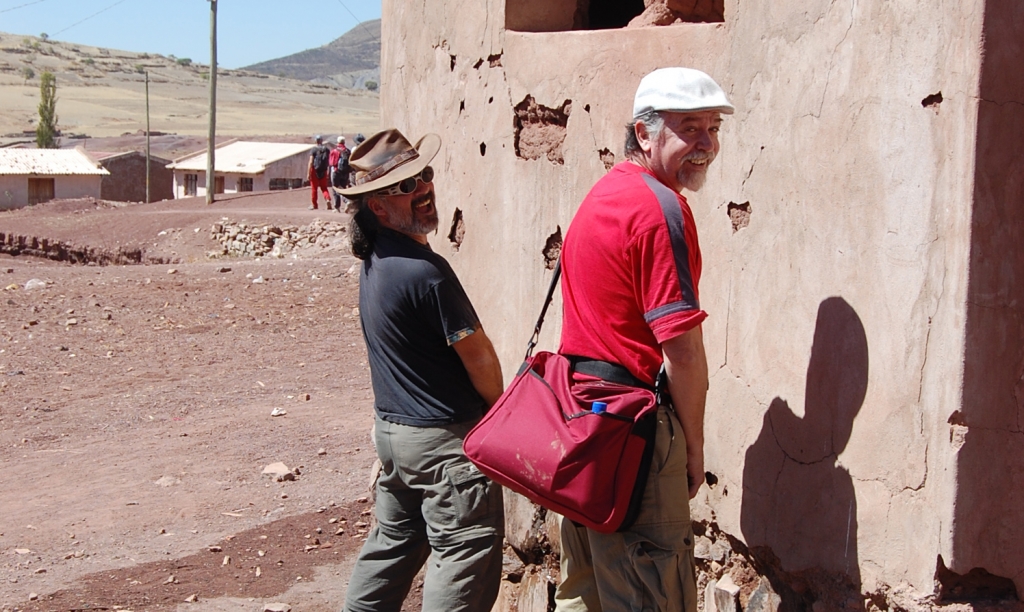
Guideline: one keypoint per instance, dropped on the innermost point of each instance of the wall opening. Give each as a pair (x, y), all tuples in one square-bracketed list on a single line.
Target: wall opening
[(739, 214), (540, 130), (458, 230), (552, 248), (566, 15)]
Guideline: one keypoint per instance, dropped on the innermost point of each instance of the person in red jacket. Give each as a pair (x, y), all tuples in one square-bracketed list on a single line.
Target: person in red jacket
[(339, 170), (319, 163)]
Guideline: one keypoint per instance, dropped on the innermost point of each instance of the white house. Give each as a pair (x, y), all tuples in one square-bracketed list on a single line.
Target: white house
[(31, 176), (243, 166)]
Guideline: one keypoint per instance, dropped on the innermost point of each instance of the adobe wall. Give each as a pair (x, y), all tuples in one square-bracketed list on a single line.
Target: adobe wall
[(13, 192), (127, 180), (293, 167), (14, 189), (836, 229)]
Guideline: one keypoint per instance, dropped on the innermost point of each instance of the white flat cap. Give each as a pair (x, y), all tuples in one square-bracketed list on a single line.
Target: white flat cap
[(681, 90)]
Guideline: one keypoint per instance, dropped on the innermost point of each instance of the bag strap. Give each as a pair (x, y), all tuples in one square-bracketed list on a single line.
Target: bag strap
[(544, 310)]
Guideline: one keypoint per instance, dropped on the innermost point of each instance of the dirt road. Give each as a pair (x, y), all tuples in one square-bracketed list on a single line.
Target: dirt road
[(135, 415)]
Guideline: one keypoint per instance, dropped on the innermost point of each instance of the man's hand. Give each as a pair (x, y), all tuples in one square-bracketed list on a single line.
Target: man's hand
[(482, 365), (687, 369)]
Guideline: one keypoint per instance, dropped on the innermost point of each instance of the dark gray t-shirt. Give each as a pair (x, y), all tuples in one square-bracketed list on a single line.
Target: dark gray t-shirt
[(413, 309)]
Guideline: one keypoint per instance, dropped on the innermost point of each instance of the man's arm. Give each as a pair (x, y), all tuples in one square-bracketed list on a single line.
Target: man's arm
[(687, 369), (481, 362)]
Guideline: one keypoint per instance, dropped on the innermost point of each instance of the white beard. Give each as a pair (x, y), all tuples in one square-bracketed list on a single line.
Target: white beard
[(694, 180)]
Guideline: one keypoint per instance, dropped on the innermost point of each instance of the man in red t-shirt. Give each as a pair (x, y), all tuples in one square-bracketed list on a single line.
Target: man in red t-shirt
[(631, 267)]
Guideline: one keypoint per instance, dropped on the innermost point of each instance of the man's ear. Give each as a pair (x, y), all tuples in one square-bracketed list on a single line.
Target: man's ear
[(376, 205), (643, 137)]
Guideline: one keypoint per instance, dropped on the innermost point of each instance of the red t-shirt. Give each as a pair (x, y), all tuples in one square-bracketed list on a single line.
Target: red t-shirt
[(628, 282)]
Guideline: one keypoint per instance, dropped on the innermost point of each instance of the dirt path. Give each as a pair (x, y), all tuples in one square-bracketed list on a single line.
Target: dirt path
[(135, 416)]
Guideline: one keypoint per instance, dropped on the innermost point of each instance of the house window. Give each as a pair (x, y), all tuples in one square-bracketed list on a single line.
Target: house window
[(40, 190), (278, 184), (564, 15), (297, 183), (191, 184), (245, 183)]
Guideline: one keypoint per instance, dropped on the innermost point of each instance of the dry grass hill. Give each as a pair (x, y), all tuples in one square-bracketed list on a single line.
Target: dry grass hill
[(101, 93)]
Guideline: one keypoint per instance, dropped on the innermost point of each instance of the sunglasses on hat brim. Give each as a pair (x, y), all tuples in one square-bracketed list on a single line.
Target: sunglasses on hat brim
[(407, 186)]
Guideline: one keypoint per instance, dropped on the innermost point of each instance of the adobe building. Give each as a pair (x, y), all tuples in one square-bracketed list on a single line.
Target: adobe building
[(863, 241), (241, 166), (33, 176), (127, 180)]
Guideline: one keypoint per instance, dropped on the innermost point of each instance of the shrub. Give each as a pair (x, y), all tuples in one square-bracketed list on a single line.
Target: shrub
[(89, 61), (184, 61), (140, 68), (28, 73), (371, 85)]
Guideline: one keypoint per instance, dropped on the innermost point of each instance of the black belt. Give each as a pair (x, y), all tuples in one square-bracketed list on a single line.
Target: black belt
[(606, 370)]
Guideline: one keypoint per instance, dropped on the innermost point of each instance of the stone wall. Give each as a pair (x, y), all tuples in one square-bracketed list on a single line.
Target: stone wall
[(861, 254), (242, 239)]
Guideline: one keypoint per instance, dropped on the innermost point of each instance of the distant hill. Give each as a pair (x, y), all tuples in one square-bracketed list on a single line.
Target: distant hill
[(348, 61), (101, 93)]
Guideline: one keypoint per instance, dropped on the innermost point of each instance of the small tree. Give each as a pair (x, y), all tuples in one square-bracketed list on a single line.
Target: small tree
[(28, 73), (44, 36), (371, 85), (184, 61), (46, 130)]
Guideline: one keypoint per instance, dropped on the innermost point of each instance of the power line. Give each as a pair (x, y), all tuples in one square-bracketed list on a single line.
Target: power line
[(88, 18), (359, 21), (21, 6)]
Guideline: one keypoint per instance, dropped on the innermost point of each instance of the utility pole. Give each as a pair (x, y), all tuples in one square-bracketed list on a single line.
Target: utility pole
[(212, 144), (148, 199)]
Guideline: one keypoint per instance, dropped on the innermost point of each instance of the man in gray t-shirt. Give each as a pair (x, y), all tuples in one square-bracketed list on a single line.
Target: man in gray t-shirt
[(434, 374)]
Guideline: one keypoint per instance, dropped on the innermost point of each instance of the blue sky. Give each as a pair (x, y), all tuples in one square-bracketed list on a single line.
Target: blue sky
[(248, 31)]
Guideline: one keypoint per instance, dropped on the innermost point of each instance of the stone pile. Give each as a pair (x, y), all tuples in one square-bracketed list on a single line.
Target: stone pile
[(242, 239)]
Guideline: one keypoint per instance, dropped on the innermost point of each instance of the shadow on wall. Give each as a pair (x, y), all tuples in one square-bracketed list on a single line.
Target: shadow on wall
[(798, 502), (989, 513)]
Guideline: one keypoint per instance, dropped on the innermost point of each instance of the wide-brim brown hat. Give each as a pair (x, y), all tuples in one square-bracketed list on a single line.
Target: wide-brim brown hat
[(387, 158)]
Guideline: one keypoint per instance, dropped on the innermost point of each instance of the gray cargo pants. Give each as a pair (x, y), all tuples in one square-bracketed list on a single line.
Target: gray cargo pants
[(648, 567), (431, 502)]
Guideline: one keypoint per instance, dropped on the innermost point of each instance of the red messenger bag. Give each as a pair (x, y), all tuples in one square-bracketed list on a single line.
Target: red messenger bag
[(580, 449)]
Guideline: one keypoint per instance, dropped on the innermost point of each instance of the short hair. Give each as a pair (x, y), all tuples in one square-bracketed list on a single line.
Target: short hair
[(653, 121)]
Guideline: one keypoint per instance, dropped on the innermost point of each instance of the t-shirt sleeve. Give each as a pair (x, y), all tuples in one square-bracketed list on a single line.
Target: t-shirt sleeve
[(667, 287), (456, 319)]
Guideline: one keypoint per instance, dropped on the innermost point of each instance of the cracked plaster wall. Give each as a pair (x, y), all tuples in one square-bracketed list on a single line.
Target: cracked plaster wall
[(858, 192)]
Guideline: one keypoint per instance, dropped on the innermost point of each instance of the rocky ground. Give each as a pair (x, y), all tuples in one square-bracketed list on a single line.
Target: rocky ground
[(136, 408), (142, 401)]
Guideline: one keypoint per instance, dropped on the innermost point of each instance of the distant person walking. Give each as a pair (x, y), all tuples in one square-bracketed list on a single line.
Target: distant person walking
[(319, 162), (339, 170)]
